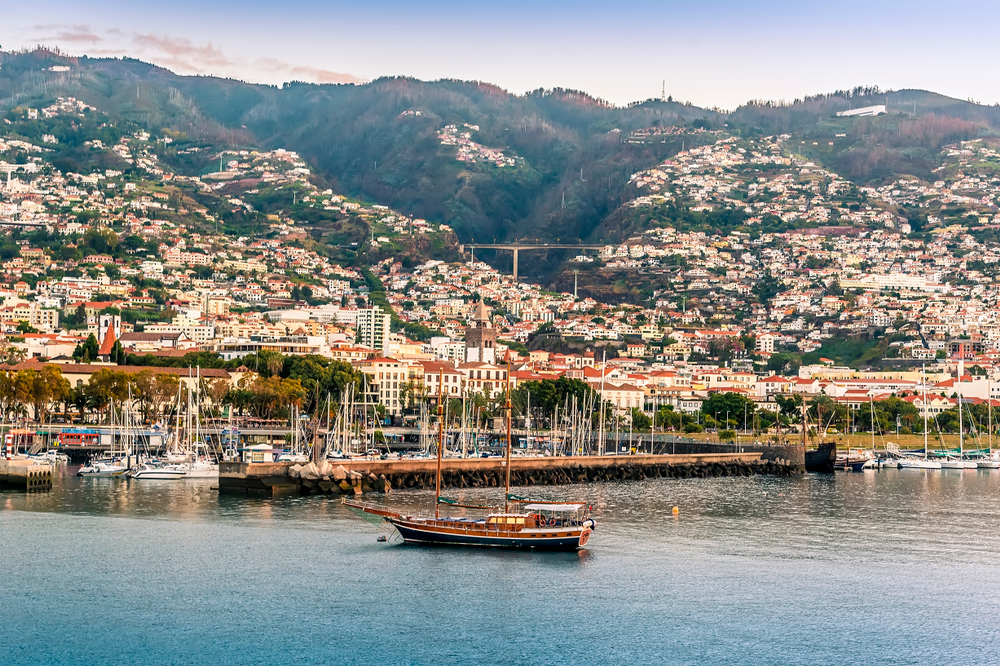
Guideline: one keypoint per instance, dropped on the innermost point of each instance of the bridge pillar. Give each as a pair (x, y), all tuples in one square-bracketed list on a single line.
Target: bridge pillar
[(515, 263)]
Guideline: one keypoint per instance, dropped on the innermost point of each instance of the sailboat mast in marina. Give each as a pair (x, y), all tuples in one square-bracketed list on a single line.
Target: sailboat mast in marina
[(921, 463)]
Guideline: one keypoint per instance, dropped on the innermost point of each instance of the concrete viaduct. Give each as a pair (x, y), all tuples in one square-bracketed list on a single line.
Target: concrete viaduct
[(518, 247)]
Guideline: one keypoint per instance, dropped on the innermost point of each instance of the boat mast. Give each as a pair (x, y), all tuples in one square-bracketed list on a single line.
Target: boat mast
[(465, 435), (923, 380), (961, 428), (437, 483), (805, 423), (604, 372), (871, 409), (506, 490)]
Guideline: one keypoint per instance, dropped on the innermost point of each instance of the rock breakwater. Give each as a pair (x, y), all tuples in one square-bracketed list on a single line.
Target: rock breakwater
[(327, 478)]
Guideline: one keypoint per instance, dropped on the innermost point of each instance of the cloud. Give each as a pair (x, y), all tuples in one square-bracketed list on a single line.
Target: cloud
[(78, 37), (185, 54), (74, 34), (324, 75), (305, 72)]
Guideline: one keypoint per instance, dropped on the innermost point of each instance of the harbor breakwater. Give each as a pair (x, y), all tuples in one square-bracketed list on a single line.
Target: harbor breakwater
[(20, 474), (361, 476)]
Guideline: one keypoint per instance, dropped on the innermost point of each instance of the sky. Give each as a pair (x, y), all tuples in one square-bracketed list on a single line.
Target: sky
[(712, 53)]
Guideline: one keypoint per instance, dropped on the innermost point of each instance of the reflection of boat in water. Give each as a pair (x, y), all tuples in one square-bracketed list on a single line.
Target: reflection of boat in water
[(538, 525)]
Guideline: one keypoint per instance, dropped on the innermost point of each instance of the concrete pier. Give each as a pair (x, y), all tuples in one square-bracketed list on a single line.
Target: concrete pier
[(20, 474), (257, 479)]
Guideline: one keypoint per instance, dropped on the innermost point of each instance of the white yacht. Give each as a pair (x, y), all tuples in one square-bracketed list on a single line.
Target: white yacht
[(200, 469), (52, 456), (919, 463), (102, 467), (993, 462), (159, 473)]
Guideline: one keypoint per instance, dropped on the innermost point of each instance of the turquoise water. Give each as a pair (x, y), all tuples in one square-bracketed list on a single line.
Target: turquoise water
[(880, 567)]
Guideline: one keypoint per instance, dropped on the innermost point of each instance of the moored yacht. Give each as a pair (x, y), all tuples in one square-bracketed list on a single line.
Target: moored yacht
[(149, 471), (988, 463), (200, 469), (918, 463), (103, 467)]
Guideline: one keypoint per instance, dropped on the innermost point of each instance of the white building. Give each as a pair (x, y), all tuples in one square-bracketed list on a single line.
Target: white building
[(876, 110), (373, 329)]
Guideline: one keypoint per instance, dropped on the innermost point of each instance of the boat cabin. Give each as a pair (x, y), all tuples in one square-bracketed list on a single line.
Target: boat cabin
[(506, 519), (259, 453), (556, 515)]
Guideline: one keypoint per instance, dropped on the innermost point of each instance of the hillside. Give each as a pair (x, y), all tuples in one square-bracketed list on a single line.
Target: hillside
[(382, 142), (550, 164)]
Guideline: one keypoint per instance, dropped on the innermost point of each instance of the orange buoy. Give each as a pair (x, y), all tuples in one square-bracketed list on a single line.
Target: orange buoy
[(676, 511)]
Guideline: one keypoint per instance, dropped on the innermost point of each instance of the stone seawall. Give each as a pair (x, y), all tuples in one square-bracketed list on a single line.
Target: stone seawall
[(789, 453), (360, 476)]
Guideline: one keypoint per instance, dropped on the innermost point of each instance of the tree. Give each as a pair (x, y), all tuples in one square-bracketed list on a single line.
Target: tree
[(783, 363), (9, 354), (88, 351), (790, 406), (740, 410), (109, 386), (25, 327), (270, 396), (640, 421), (154, 391), (78, 317), (40, 388)]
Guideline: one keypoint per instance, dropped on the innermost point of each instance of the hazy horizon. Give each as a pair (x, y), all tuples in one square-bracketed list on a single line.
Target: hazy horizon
[(719, 53)]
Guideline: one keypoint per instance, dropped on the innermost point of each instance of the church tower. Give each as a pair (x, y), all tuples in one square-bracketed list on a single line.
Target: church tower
[(481, 338)]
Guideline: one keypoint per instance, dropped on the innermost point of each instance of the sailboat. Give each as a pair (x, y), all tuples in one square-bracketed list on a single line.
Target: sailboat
[(992, 460), (952, 462), (921, 463), (109, 464), (538, 525), (195, 463)]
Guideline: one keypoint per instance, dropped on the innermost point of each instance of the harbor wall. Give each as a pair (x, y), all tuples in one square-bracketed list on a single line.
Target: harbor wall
[(26, 475), (794, 454), (360, 476)]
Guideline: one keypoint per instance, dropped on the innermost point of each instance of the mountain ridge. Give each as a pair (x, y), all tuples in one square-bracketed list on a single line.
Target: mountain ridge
[(493, 165)]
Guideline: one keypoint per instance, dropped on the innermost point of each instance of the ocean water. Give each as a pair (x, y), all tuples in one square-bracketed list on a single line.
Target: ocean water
[(886, 567)]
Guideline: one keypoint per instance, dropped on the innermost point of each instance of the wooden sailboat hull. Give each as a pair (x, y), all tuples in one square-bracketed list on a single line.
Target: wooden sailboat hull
[(565, 540), (822, 458)]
